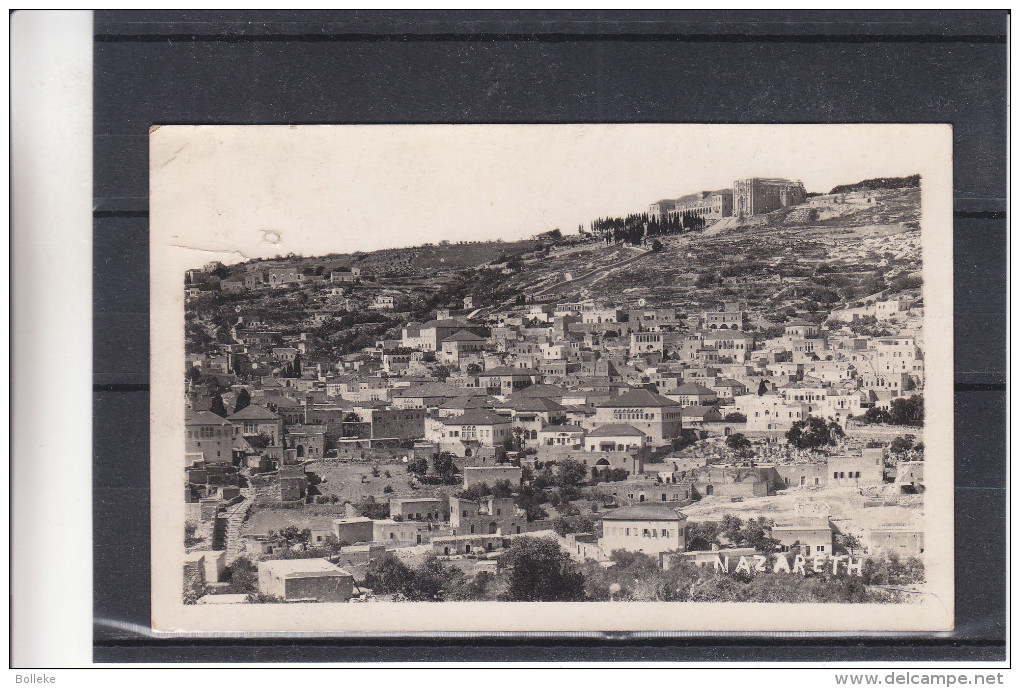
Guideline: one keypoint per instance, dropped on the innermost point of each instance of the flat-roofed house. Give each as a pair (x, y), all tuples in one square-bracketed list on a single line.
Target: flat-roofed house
[(650, 528), (308, 580), (614, 437), (813, 536)]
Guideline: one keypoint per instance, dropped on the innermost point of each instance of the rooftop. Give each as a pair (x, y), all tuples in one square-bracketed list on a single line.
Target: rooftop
[(470, 401), (302, 568), (616, 430), (453, 322), (692, 388), (562, 428), (643, 512), (639, 398), (477, 417), (254, 412), (537, 404), (203, 418), (698, 411), (502, 371), (539, 390), (464, 336)]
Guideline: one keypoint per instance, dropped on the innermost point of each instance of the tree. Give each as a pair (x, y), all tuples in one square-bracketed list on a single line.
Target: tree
[(190, 527), (259, 441), (388, 575), (907, 411), (474, 493), (529, 498), (444, 467), (293, 535), (732, 528), (610, 475), (427, 581), (762, 388), (516, 440), (537, 570), (758, 534), (849, 544), (502, 488), (901, 445), (738, 443), (193, 374), (573, 524), (217, 406), (876, 415), (481, 586), (814, 433), (242, 576), (735, 417), (706, 279), (243, 400), (370, 508), (570, 475), (220, 270), (419, 465), (703, 535)]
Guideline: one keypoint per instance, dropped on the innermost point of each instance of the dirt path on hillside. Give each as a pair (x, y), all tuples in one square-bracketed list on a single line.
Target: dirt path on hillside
[(605, 270)]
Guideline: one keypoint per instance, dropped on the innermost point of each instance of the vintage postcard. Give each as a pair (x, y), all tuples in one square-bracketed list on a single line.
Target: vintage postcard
[(551, 378)]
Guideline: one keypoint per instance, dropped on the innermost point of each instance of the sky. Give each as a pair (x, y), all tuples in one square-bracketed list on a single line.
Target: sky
[(231, 193)]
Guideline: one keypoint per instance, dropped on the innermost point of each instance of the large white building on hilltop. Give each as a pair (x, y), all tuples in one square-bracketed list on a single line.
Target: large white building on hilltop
[(758, 195)]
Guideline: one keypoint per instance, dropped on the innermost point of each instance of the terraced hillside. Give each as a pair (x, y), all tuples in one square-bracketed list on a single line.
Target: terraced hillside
[(806, 258)]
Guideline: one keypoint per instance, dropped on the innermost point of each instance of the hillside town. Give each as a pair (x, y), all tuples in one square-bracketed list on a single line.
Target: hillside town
[(722, 389)]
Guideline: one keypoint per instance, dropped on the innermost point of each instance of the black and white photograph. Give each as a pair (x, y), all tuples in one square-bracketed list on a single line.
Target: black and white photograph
[(375, 339), (658, 364)]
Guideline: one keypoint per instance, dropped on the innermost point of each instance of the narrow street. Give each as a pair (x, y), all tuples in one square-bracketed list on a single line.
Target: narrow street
[(236, 515)]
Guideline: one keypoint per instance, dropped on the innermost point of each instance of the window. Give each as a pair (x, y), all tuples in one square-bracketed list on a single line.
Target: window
[(665, 533)]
